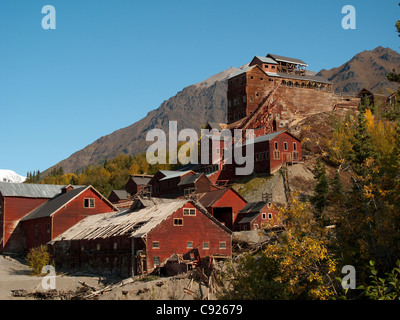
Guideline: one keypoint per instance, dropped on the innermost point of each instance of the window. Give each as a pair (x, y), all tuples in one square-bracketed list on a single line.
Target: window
[(295, 156), (156, 245), (264, 216), (222, 245), (251, 77), (98, 247), (189, 244), (294, 146), (189, 212), (257, 94), (206, 245), (277, 155), (115, 245), (269, 216), (244, 98), (276, 145), (178, 222), (273, 67), (156, 261), (285, 146), (48, 228), (266, 66), (89, 203)]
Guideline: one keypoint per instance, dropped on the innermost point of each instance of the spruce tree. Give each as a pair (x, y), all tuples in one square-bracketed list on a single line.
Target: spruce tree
[(321, 190)]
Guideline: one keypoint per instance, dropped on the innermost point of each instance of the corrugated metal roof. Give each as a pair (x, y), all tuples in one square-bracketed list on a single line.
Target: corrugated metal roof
[(172, 174), (253, 207), (190, 179), (128, 223), (249, 218), (244, 70), (141, 181), (122, 194), (53, 205), (27, 190), (208, 199)]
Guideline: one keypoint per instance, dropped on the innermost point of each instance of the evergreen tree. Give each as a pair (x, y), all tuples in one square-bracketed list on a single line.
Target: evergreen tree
[(321, 190)]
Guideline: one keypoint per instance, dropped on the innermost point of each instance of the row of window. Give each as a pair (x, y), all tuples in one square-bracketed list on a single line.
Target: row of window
[(189, 244)]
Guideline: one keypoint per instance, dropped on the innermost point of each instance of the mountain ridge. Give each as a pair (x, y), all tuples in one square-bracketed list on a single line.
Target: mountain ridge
[(206, 101)]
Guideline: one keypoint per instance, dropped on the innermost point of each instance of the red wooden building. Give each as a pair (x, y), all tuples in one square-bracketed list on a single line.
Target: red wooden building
[(136, 242), (16, 201), (223, 204), (137, 182), (257, 216), (62, 212), (33, 214), (166, 183)]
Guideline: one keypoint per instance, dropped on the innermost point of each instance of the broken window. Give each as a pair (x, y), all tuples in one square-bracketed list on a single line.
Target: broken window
[(156, 261)]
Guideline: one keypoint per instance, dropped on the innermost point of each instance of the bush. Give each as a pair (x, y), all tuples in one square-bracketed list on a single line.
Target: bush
[(37, 258)]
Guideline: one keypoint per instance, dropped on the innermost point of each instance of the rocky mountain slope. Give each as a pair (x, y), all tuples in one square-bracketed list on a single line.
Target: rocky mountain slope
[(368, 69), (191, 107), (206, 101)]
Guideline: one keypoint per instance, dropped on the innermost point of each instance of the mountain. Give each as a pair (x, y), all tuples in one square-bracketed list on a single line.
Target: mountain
[(367, 69), (206, 101), (10, 176), (192, 107)]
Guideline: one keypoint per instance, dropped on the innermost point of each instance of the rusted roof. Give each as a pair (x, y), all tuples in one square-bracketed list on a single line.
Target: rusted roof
[(208, 199), (134, 224)]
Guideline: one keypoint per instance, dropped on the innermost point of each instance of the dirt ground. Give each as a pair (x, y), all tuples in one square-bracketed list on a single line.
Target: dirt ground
[(15, 275)]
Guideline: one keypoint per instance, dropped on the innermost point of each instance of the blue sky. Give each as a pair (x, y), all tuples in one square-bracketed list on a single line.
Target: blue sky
[(109, 62)]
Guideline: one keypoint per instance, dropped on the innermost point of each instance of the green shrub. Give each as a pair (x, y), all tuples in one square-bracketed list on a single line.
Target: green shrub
[(37, 258)]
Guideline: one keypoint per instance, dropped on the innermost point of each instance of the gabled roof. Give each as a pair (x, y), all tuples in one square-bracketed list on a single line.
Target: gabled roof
[(121, 194), (133, 224), (244, 70), (50, 207), (190, 179), (173, 174), (286, 59), (253, 207), (249, 218), (140, 180), (265, 60), (27, 190), (210, 198), (271, 136)]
